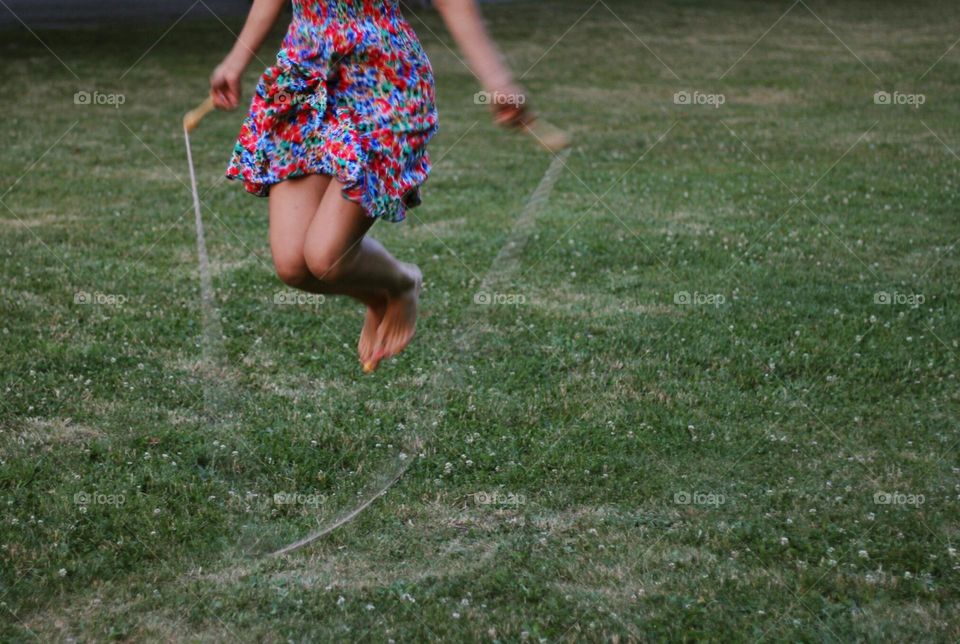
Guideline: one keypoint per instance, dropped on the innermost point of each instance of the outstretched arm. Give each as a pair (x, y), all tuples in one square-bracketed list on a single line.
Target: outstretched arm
[(465, 23), (225, 80)]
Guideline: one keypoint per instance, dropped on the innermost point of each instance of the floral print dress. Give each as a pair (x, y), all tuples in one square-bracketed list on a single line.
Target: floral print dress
[(351, 95)]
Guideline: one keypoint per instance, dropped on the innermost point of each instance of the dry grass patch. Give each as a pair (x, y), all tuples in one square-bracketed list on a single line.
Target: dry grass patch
[(766, 96), (596, 305), (19, 223), (442, 228), (53, 432)]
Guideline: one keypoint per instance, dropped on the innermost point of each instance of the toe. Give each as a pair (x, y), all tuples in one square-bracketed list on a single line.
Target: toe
[(371, 365)]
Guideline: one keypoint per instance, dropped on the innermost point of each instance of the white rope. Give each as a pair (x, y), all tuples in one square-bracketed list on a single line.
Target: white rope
[(213, 365), (508, 259), (345, 517)]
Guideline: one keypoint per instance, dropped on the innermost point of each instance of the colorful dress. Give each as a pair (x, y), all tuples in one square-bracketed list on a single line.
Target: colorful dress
[(351, 95)]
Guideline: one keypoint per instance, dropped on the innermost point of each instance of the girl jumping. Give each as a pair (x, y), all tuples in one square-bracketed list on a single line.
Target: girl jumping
[(336, 137)]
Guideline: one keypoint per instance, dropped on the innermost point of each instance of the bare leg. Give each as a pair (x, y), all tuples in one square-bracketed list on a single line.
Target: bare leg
[(293, 205), (338, 252)]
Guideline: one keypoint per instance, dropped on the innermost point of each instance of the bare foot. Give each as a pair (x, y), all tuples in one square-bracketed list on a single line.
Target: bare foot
[(399, 320), (368, 336)]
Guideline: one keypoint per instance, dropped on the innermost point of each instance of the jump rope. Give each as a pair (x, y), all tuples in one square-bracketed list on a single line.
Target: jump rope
[(549, 137)]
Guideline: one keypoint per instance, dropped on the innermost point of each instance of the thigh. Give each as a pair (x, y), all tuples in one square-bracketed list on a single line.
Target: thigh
[(337, 228), (293, 204)]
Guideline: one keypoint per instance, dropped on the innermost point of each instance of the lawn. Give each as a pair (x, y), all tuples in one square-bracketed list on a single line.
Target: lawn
[(714, 395)]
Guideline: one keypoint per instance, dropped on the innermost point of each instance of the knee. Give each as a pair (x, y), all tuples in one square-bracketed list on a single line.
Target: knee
[(326, 264), (292, 271)]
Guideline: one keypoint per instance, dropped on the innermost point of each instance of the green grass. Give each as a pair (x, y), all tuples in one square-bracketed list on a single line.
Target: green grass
[(591, 410)]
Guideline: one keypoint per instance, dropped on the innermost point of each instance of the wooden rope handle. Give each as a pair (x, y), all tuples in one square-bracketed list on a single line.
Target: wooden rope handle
[(192, 118), (546, 134)]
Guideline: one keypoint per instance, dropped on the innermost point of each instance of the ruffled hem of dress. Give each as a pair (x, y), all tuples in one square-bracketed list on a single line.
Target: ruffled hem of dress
[(394, 210)]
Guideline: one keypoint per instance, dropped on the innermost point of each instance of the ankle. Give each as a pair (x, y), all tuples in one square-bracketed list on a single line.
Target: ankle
[(407, 278)]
